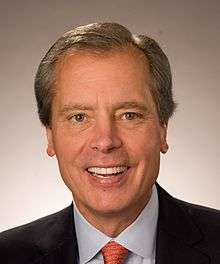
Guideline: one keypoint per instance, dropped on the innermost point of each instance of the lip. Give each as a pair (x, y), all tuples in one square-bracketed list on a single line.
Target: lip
[(110, 165), (108, 181)]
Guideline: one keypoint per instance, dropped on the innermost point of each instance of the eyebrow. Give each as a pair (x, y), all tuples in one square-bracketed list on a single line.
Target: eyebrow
[(132, 104), (68, 108), (122, 105)]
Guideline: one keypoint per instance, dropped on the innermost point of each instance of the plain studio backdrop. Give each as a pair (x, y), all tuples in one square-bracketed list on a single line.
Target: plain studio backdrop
[(189, 33)]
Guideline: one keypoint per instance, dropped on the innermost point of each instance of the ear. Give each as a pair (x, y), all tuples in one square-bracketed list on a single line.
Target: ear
[(50, 145), (163, 138)]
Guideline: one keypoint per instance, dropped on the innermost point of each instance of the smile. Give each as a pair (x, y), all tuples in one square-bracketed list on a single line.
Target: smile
[(107, 171)]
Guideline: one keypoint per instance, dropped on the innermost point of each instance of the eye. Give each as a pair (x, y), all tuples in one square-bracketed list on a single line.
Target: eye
[(78, 118), (131, 115)]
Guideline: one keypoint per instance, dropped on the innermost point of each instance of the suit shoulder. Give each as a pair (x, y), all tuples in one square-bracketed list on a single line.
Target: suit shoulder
[(19, 244), (34, 229), (203, 214), (207, 221)]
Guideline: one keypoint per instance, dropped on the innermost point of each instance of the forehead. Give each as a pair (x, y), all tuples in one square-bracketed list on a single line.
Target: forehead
[(130, 59), (116, 74)]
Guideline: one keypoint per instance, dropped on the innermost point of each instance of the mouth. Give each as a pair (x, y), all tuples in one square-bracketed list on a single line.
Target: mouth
[(103, 172), (108, 176)]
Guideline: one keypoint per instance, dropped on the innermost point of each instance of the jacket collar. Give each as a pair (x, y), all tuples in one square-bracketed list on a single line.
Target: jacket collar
[(178, 237)]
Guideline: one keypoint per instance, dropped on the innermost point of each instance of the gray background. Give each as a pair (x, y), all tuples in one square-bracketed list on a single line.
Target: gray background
[(188, 31)]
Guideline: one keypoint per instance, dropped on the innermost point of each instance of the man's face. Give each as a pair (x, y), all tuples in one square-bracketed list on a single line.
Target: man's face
[(105, 131)]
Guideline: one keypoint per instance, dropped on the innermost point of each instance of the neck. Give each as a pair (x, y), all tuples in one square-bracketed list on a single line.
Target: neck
[(112, 224)]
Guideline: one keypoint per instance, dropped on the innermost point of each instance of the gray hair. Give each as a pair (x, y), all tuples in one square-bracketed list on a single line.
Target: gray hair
[(104, 37)]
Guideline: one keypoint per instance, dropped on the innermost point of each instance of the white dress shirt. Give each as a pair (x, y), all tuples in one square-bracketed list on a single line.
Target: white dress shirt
[(139, 238)]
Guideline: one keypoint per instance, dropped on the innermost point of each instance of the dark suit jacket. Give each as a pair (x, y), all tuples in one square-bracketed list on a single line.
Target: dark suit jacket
[(187, 234)]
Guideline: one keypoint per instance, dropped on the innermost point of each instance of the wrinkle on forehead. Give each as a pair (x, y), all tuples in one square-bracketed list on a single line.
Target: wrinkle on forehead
[(79, 56)]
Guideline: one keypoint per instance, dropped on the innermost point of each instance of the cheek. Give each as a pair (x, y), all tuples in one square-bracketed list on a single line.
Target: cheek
[(69, 156), (144, 145), (67, 146)]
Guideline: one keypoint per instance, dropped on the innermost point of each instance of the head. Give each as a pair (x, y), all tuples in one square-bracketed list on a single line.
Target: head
[(101, 38), (105, 98)]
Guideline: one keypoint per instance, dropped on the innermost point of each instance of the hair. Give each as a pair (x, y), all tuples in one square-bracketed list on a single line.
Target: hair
[(104, 37)]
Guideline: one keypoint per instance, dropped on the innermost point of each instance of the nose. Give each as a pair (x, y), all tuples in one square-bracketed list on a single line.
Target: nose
[(105, 138)]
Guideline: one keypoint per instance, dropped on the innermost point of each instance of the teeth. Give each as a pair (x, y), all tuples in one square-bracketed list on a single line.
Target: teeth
[(107, 171)]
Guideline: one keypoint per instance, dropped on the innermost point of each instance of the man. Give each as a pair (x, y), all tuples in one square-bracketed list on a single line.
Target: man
[(105, 98)]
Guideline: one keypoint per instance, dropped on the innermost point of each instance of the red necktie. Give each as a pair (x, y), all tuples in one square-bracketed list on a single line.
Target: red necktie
[(114, 253)]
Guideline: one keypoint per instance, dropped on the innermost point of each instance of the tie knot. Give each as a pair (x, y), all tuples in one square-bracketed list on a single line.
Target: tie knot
[(114, 253)]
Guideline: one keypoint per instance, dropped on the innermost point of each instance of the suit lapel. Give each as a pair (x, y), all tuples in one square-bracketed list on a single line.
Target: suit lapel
[(59, 245), (171, 250), (178, 237), (65, 254)]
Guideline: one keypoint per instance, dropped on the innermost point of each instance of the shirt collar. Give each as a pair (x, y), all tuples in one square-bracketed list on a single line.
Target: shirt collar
[(90, 240), (139, 237)]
